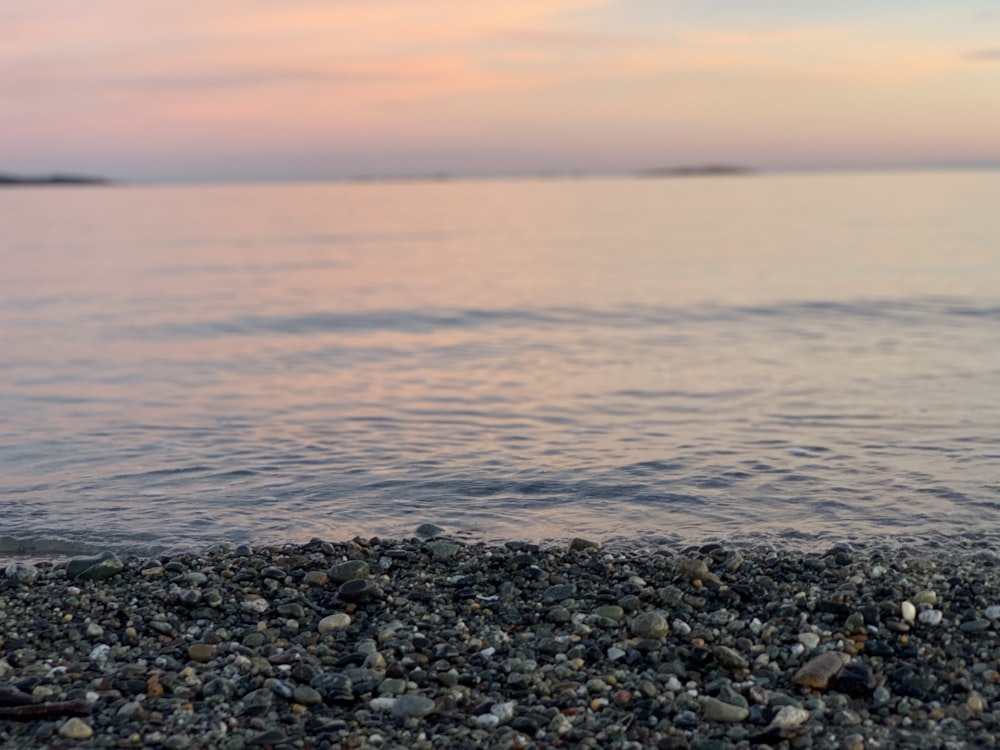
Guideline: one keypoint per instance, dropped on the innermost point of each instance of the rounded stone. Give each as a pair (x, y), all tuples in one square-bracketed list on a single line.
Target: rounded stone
[(716, 710), (315, 578), (201, 652), (307, 696), (76, 729), (349, 570), (611, 612), (356, 590), (97, 568), (407, 706), (337, 621), (650, 625)]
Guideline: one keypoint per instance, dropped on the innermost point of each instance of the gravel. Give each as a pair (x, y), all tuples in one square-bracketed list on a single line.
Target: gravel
[(436, 643)]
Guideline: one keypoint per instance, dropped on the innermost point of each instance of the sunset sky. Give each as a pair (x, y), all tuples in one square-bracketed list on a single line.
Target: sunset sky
[(242, 89)]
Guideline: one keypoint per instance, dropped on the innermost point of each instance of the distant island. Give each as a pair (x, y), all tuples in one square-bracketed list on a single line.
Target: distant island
[(52, 179), (699, 170)]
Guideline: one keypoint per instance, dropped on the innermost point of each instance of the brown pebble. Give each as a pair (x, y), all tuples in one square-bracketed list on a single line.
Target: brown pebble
[(201, 652), (818, 671)]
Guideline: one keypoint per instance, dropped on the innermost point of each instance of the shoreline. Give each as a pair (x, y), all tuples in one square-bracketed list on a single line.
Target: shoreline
[(436, 642)]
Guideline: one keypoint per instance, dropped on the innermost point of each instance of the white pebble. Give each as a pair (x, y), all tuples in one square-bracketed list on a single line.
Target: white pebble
[(381, 704), (99, 654), (993, 613), (756, 626), (791, 716), (488, 721), (797, 650), (931, 616), (256, 604), (909, 611), (680, 627), (615, 653), (503, 711), (488, 652), (809, 640)]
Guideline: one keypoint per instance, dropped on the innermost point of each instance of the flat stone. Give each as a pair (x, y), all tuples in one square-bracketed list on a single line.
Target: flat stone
[(96, 568), (307, 696), (650, 625), (407, 706), (578, 545), (557, 593), (201, 652), (349, 570), (611, 612), (716, 710), (729, 658), (820, 670)]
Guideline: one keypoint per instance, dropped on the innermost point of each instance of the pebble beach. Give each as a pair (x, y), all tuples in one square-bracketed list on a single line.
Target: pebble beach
[(432, 642)]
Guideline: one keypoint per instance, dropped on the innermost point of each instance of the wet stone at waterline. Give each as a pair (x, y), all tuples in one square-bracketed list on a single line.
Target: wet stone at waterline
[(97, 568)]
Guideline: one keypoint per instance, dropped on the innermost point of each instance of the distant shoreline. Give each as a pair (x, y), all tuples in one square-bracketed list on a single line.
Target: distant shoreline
[(9, 180)]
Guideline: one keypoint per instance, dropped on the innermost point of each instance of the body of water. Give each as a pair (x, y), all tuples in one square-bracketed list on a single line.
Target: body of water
[(794, 359)]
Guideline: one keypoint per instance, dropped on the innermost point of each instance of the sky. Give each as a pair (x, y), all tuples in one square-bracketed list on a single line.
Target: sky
[(303, 89)]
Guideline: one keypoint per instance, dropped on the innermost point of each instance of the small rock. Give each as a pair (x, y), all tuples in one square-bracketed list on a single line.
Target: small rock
[(650, 625), (696, 570), (729, 658), (809, 640), (975, 626), (337, 621), (855, 679), (818, 671), (23, 573), (408, 705), (357, 590), (428, 531), (76, 729), (254, 603), (908, 611), (315, 578), (578, 545), (557, 593), (716, 710), (349, 570), (96, 568), (442, 550), (931, 617), (993, 612), (201, 652), (927, 596), (790, 716), (307, 696)]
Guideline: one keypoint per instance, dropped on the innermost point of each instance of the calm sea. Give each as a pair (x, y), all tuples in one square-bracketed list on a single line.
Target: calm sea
[(790, 359)]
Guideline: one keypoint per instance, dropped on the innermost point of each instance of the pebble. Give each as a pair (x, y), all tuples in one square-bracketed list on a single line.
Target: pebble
[(336, 621), (909, 611), (97, 568), (201, 652), (23, 573), (407, 706), (428, 531), (76, 729), (931, 616), (650, 625), (349, 570), (442, 550), (716, 710), (818, 671), (809, 640)]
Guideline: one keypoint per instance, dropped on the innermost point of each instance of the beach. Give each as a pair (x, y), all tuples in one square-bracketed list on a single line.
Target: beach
[(431, 642)]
